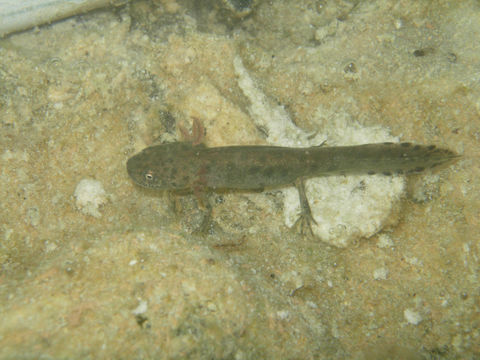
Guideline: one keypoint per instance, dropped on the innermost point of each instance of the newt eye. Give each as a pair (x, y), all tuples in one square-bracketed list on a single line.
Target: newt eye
[(149, 176)]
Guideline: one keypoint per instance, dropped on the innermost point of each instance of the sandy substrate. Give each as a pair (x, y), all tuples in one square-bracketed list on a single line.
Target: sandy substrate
[(95, 267)]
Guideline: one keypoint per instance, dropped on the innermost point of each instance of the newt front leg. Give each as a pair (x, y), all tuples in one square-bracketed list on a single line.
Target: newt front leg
[(196, 137)]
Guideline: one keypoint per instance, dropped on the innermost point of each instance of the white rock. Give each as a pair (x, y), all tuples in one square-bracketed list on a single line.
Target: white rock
[(90, 195)]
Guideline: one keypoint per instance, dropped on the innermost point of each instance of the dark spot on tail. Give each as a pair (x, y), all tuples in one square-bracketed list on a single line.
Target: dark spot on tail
[(371, 172), (388, 143), (416, 170), (399, 172), (431, 147), (417, 147), (406, 144), (419, 53), (387, 173)]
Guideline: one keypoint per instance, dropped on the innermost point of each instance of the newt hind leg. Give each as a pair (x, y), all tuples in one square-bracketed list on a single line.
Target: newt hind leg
[(305, 220)]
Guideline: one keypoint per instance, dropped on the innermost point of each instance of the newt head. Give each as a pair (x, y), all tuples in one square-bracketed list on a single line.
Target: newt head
[(164, 167)]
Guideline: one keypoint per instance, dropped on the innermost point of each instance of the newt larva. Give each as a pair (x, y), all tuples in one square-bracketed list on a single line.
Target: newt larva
[(184, 166), (189, 166)]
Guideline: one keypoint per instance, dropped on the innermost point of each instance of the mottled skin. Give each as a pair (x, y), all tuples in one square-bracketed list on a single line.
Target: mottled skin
[(181, 165), (189, 166)]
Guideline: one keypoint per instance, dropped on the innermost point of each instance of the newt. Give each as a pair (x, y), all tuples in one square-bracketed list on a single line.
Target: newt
[(188, 165)]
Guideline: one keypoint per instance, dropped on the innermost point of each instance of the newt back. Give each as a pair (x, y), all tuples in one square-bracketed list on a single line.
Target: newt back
[(183, 166)]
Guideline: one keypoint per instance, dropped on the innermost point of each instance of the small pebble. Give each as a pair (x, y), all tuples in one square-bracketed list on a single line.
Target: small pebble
[(384, 241), (141, 308), (33, 216), (283, 314), (90, 195), (412, 316), (380, 274)]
